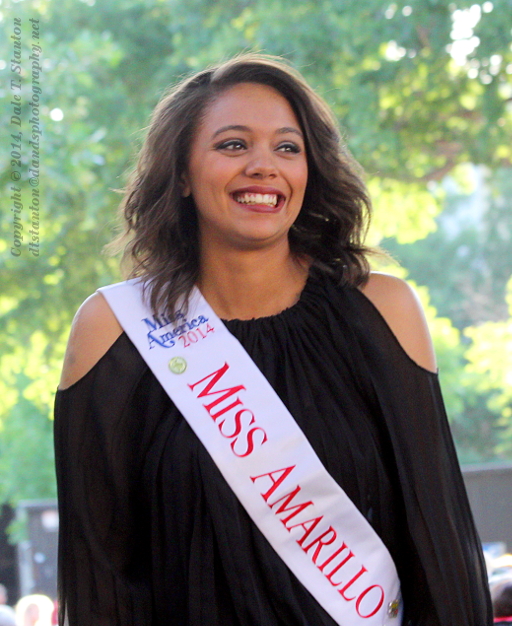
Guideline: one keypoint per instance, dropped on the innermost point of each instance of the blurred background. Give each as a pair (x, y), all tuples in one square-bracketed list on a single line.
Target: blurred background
[(423, 92)]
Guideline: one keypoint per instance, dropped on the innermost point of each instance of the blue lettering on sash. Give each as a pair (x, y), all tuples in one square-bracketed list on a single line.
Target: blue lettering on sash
[(156, 323)]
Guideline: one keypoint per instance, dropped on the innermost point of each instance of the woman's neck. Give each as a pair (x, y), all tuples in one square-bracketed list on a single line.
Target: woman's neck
[(251, 283)]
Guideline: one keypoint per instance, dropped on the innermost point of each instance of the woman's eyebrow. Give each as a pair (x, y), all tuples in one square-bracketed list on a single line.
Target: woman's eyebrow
[(289, 129), (280, 131), (230, 127)]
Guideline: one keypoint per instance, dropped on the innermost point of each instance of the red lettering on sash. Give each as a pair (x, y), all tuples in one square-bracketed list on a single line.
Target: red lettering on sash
[(250, 442), (349, 556), (237, 402), (308, 529), (333, 556), (283, 474), (238, 423), (351, 582), (379, 603), (284, 508), (321, 543), (207, 391), (284, 504)]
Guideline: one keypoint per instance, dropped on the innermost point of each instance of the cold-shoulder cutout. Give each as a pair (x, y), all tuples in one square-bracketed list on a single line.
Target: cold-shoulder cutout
[(400, 307), (94, 330)]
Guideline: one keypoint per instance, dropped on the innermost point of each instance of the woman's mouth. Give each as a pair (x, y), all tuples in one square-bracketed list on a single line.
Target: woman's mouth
[(265, 201)]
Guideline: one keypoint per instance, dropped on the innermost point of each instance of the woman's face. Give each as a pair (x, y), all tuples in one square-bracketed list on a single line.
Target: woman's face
[(247, 171)]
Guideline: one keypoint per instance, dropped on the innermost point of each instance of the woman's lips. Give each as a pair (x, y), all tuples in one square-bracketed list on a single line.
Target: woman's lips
[(263, 202)]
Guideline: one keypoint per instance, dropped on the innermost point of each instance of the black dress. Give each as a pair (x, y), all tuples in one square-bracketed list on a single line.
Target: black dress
[(151, 535)]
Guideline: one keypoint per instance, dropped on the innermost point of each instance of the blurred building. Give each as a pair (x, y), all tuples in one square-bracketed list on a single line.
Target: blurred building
[(8, 562), (489, 488), (37, 555)]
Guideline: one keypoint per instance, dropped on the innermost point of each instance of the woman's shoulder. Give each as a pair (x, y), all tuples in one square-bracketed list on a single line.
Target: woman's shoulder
[(400, 307), (93, 331)]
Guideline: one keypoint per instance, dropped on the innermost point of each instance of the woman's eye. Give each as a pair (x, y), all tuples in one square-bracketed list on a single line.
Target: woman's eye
[(289, 147), (231, 144)]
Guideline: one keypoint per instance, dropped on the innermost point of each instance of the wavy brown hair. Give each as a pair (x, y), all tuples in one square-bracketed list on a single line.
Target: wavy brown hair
[(161, 226)]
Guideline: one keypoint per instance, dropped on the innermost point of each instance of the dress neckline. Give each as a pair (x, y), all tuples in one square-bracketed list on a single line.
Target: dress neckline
[(281, 315)]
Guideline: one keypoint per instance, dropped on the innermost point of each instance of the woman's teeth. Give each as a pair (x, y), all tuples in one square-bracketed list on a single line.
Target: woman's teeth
[(269, 199)]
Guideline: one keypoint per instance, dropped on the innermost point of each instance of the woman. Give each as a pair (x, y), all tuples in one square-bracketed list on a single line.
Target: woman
[(244, 190)]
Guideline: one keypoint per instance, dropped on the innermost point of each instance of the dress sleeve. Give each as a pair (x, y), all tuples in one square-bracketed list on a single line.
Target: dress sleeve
[(438, 511), (438, 514), (103, 558)]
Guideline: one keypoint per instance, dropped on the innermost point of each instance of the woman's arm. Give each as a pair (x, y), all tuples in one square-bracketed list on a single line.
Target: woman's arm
[(103, 541), (437, 510), (400, 307), (94, 329)]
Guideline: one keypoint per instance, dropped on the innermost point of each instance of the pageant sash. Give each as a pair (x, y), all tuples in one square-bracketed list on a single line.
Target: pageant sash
[(265, 458)]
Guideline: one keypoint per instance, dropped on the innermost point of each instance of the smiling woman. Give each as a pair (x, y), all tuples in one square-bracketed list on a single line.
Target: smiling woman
[(161, 218), (250, 431), (255, 173), (248, 183)]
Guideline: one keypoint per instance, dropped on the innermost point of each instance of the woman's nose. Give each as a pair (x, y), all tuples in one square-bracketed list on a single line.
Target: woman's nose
[(261, 164)]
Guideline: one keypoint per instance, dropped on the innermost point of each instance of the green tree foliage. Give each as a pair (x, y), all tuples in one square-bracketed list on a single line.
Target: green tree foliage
[(410, 111), (490, 358), (467, 261)]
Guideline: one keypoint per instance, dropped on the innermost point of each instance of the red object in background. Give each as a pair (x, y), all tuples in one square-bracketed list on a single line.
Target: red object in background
[(55, 614)]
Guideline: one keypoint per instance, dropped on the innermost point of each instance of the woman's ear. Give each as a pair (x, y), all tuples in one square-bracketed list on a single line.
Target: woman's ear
[(185, 186)]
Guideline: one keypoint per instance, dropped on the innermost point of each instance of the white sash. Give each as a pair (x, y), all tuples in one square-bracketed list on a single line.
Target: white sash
[(265, 458)]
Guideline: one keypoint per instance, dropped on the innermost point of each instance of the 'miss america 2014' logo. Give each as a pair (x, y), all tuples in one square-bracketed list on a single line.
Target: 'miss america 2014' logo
[(166, 331)]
